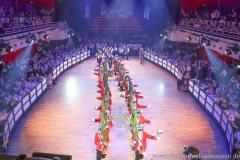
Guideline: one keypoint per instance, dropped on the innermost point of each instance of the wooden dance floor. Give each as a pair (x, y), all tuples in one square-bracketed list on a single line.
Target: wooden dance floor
[(61, 122)]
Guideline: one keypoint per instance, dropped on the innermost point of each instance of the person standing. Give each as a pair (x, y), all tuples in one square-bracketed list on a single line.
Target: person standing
[(141, 55), (179, 79), (127, 51)]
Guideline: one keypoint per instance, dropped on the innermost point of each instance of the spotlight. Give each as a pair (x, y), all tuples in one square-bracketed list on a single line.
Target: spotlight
[(72, 34), (238, 65), (189, 38), (33, 38), (9, 49), (45, 36), (161, 35), (228, 51), (204, 41), (165, 37), (208, 43), (28, 41)]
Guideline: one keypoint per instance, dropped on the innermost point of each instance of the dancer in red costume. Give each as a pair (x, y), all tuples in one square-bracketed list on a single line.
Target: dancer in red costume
[(140, 145), (101, 146)]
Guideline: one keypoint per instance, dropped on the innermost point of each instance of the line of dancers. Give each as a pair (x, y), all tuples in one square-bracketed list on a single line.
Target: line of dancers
[(140, 143)]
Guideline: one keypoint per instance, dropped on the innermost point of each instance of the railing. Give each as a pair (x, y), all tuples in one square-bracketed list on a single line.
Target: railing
[(22, 20), (206, 102), (20, 30), (214, 32), (27, 102)]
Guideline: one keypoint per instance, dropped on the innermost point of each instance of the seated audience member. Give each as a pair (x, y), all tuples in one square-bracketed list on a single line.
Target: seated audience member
[(224, 105), (235, 123), (12, 24), (21, 14), (220, 89), (24, 92), (17, 24), (6, 23), (210, 91), (218, 99), (28, 21), (2, 97), (38, 78)]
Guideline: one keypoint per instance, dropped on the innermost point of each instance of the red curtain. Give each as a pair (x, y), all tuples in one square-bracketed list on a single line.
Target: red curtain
[(9, 57)]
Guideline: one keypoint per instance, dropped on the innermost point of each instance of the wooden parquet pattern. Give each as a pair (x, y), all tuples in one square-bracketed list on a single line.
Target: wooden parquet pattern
[(61, 120)]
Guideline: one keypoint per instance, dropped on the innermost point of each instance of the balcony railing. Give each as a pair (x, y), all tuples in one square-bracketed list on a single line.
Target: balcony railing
[(28, 28)]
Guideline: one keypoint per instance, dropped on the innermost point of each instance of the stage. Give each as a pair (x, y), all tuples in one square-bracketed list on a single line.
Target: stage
[(61, 122)]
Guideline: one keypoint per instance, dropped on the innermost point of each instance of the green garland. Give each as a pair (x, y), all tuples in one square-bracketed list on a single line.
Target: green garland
[(133, 120), (104, 121)]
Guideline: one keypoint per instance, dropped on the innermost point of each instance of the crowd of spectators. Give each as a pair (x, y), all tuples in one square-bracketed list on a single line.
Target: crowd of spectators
[(12, 18), (7, 13), (22, 75), (214, 20), (217, 79)]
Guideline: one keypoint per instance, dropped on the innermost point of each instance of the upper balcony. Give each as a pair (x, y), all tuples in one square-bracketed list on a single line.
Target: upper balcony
[(224, 40), (23, 36)]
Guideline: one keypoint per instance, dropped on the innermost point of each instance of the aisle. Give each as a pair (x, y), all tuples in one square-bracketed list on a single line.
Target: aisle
[(61, 120)]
